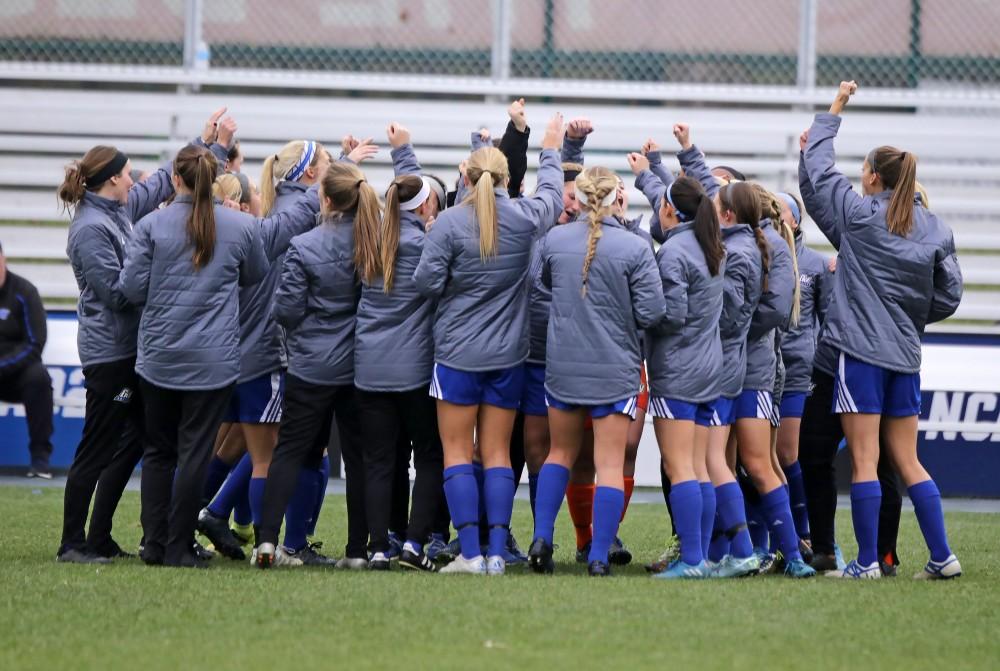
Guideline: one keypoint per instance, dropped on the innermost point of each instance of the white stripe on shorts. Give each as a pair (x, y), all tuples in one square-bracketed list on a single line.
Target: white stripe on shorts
[(845, 402), (435, 388), (272, 411)]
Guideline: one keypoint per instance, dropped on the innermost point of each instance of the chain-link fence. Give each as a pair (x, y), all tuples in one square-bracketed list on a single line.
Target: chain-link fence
[(889, 43)]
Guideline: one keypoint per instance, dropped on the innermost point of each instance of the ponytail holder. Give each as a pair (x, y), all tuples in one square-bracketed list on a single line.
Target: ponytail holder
[(308, 152), (110, 169), (581, 197), (792, 205), (359, 183), (680, 215), (417, 200)]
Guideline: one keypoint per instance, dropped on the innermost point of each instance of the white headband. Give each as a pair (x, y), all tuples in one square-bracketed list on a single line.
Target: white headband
[(581, 197), (417, 200)]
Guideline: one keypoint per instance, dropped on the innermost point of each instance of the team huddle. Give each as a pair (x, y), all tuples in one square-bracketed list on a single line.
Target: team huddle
[(226, 328)]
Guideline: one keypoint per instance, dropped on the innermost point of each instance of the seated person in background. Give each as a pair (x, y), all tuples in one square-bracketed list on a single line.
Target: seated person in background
[(23, 378)]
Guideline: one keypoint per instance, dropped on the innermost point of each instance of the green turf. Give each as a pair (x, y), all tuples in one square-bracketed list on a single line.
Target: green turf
[(130, 616)]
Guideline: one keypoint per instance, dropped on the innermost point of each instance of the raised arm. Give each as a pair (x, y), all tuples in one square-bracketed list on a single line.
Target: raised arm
[(546, 203), (255, 263), (277, 231), (404, 160), (651, 186), (514, 145), (576, 136), (692, 160)]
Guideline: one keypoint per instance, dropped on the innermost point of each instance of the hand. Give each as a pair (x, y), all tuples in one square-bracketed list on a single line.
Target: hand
[(365, 150), (211, 129), (847, 89), (579, 128), (231, 204), (637, 162), (554, 133), (484, 135), (516, 114), (227, 131), (682, 132), (804, 140), (348, 144), (831, 265), (462, 167), (398, 135), (650, 146)]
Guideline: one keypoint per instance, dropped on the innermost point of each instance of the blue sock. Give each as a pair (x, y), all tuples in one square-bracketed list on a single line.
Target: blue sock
[(718, 546), (707, 516), (756, 526), (866, 498), (926, 501), (608, 506), (463, 503), (552, 482), (778, 514), (257, 499), (685, 501), (217, 472), (480, 473), (732, 514), (797, 495), (532, 490), (241, 511), (322, 481), (232, 489), (300, 509), (498, 487)]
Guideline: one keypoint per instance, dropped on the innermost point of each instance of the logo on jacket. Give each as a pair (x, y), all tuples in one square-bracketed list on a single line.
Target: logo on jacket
[(805, 280), (4, 313), (124, 396)]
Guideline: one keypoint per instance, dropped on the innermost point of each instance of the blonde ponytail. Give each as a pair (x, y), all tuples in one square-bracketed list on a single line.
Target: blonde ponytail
[(267, 193), (487, 169), (402, 189), (898, 171), (594, 185), (278, 166)]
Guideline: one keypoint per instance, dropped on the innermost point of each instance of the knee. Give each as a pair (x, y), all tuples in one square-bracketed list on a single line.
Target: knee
[(35, 381)]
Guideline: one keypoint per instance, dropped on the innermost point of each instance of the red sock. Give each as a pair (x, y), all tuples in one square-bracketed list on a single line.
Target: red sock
[(629, 486), (580, 499)]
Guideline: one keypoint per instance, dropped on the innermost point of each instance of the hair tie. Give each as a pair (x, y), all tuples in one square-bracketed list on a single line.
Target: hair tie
[(359, 183)]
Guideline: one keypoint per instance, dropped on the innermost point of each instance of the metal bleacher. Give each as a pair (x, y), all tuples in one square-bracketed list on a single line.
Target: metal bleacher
[(42, 129)]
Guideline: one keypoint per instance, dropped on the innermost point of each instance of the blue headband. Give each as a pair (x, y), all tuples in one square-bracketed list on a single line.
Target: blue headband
[(307, 156), (680, 215), (792, 205)]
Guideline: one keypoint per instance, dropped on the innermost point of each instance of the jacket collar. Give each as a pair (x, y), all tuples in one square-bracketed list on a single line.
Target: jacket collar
[(412, 219), (765, 223), (185, 198), (679, 228), (286, 186), (101, 203)]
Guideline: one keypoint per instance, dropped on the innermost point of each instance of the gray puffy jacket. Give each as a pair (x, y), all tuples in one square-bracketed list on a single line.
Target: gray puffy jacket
[(317, 302), (593, 354), (887, 287), (685, 348), (189, 331), (654, 182), (740, 296), (798, 343), (481, 317), (772, 313)]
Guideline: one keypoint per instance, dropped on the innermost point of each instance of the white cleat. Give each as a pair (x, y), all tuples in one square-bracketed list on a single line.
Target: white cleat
[(495, 565), (856, 571), (949, 568), (475, 566)]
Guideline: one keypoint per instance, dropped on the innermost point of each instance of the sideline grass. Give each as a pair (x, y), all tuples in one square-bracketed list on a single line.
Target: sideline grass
[(233, 617)]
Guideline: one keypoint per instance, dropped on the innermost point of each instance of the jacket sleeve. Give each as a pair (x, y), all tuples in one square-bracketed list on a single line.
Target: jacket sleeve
[(694, 166), (29, 310), (404, 161), (814, 208), (675, 292), (514, 145), (653, 188), (95, 252), (734, 291), (277, 231), (833, 192), (290, 298), (546, 204), (775, 305), (477, 142), (824, 292), (431, 274), (648, 306), (572, 149), (134, 279), (146, 196), (657, 167), (255, 263), (947, 285)]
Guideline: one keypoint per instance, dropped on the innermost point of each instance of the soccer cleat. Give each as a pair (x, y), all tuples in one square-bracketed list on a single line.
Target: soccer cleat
[(416, 562), (41, 472), (949, 568), (857, 571), (201, 552), (263, 556), (514, 554), (598, 569), (310, 555), (395, 546), (618, 554), (540, 556), (474, 566), (765, 559), (216, 529), (450, 551), (189, 560), (672, 553), (824, 562), (74, 556), (379, 562), (805, 549), (678, 570), (243, 533), (583, 554), (435, 546), (353, 564), (495, 565), (736, 567), (798, 568), (113, 550)]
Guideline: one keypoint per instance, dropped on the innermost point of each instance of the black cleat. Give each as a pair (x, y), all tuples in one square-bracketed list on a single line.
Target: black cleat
[(540, 556), (582, 554), (201, 552), (310, 556), (188, 560), (379, 562), (74, 556), (217, 530), (823, 562), (618, 554), (113, 550), (805, 549), (416, 562), (598, 569), (151, 556)]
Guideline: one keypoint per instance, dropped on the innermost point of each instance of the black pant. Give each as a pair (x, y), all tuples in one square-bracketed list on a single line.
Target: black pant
[(385, 417), (399, 518), (307, 409), (32, 386), (819, 437), (180, 434), (109, 449)]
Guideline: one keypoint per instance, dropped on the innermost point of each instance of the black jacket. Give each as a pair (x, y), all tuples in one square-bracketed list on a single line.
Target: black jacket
[(22, 325)]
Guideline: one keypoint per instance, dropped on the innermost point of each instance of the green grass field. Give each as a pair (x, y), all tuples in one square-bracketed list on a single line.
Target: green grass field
[(234, 617)]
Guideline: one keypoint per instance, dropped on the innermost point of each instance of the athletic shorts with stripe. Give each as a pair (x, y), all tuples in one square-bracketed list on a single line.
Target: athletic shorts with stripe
[(861, 387), (756, 404), (258, 401)]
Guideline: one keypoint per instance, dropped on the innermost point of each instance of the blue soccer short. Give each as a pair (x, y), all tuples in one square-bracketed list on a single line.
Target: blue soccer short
[(626, 406), (701, 414), (258, 401), (533, 392), (861, 387), (793, 403), (756, 404), (501, 388)]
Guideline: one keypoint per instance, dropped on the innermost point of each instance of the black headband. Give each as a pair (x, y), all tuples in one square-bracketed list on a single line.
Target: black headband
[(570, 175), (736, 174), (110, 169)]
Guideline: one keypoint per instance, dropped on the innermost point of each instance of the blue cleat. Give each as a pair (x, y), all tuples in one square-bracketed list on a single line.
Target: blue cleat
[(395, 546), (733, 567), (797, 568), (678, 570), (435, 546), (513, 554), (841, 564)]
